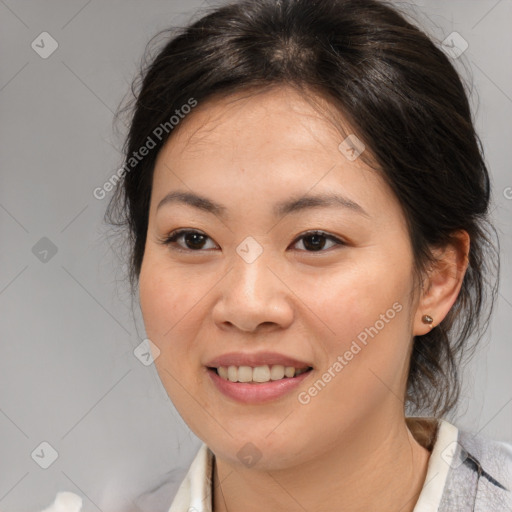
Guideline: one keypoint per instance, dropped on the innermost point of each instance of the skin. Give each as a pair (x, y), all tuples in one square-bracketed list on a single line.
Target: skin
[(350, 444)]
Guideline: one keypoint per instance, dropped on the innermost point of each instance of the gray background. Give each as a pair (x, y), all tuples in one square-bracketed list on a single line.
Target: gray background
[(68, 374)]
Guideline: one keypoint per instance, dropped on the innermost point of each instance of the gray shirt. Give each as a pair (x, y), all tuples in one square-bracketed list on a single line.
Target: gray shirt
[(481, 477)]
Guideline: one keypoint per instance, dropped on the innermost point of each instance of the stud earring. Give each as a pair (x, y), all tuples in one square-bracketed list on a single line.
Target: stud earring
[(427, 319)]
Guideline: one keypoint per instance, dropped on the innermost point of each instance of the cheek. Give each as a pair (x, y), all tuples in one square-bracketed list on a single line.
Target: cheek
[(367, 313), (353, 299), (166, 295), (168, 303)]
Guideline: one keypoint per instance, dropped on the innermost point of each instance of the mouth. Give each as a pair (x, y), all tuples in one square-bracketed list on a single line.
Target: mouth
[(258, 374), (258, 377)]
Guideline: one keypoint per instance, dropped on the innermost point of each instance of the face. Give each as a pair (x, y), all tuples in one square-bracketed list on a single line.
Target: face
[(241, 270)]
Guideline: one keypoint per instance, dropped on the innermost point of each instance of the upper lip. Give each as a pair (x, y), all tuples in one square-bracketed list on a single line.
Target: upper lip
[(256, 359)]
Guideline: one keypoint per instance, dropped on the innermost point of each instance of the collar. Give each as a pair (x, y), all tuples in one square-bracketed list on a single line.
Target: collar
[(195, 492), (439, 464)]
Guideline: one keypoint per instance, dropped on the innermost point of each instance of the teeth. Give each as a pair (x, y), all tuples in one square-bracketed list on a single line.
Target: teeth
[(289, 371), (233, 374), (244, 374), (263, 373), (276, 372)]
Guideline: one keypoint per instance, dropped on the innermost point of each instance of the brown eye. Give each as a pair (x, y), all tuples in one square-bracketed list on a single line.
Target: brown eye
[(317, 241), (194, 240), (187, 239)]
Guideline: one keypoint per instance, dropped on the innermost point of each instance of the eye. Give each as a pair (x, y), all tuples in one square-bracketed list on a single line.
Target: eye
[(316, 241), (192, 240)]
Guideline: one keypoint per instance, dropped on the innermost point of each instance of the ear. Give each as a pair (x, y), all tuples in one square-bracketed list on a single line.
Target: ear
[(443, 282)]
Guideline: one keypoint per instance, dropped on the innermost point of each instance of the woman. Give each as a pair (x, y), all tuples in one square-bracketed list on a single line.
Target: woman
[(306, 199)]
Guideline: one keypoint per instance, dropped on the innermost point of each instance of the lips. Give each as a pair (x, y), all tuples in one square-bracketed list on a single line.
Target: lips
[(257, 359), (257, 393), (251, 385)]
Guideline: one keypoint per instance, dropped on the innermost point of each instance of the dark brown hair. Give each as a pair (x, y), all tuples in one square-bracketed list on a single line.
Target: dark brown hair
[(405, 101)]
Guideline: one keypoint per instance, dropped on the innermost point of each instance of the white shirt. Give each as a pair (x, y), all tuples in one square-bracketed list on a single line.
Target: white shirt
[(194, 493)]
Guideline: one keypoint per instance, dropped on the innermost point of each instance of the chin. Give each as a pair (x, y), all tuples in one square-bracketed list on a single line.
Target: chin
[(257, 451)]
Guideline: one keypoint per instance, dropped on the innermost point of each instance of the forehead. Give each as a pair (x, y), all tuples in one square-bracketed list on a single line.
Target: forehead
[(275, 119), (273, 143)]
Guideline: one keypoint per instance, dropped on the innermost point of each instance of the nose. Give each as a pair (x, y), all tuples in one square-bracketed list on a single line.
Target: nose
[(253, 298)]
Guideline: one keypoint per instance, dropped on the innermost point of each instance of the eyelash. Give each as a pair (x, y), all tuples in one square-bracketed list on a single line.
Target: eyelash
[(175, 235)]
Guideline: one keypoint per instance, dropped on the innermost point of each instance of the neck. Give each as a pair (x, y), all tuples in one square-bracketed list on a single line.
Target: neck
[(371, 469)]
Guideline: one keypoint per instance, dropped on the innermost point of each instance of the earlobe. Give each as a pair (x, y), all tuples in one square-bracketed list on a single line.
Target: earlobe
[(442, 283)]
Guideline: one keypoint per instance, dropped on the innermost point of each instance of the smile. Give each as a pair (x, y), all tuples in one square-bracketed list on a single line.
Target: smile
[(249, 386), (259, 374)]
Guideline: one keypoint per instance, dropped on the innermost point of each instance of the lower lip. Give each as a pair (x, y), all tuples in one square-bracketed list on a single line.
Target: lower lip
[(256, 393)]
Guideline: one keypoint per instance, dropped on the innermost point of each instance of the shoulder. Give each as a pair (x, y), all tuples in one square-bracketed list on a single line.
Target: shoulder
[(494, 458), (480, 474)]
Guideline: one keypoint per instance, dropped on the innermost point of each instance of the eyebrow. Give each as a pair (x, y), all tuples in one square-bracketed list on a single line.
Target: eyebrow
[(280, 209)]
